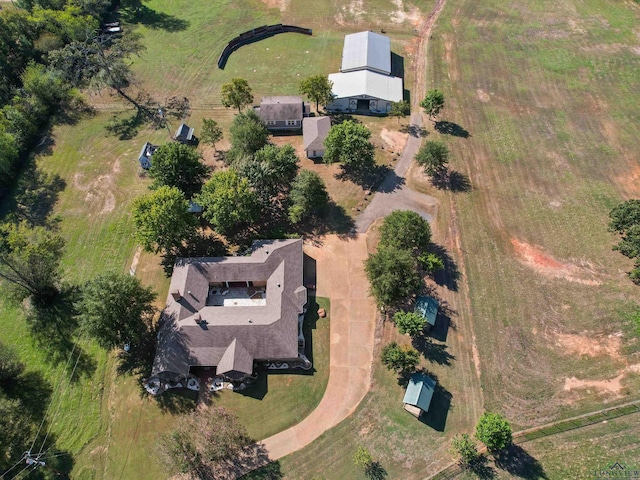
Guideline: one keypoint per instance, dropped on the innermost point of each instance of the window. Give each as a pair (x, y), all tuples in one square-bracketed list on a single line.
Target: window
[(292, 123), (271, 122)]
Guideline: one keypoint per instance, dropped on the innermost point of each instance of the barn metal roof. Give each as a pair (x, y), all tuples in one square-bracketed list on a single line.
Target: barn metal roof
[(366, 50), (420, 391), (368, 84)]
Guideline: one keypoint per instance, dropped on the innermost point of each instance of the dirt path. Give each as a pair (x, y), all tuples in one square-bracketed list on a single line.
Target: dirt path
[(340, 276)]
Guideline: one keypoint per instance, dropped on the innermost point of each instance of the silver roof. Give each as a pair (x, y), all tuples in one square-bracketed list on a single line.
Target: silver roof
[(367, 83), (366, 50)]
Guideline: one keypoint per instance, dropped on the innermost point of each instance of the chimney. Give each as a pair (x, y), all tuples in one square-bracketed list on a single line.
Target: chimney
[(175, 293)]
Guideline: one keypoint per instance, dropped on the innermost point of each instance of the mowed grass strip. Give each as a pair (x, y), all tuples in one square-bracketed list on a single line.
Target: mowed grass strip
[(546, 100)]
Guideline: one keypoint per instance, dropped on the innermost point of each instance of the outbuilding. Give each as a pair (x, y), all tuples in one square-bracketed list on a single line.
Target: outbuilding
[(417, 398), (184, 134), (314, 132), (146, 153), (428, 308), (364, 91)]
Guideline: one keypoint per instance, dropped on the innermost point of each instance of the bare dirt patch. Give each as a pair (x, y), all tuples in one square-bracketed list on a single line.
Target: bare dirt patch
[(483, 96), (548, 266), (613, 385), (352, 11), (394, 140), (99, 192), (402, 14), (590, 345), (281, 5)]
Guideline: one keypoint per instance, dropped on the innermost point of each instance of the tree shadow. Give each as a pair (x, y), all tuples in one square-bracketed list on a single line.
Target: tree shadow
[(436, 416), (177, 401), (340, 117), (53, 326), (139, 359), (458, 182), (391, 182), (199, 245), (481, 468), (332, 219), (368, 178), (32, 390), (432, 351), (519, 463), (139, 13), (36, 194), (253, 463), (414, 130), (451, 128), (271, 471), (449, 275), (375, 471), (125, 128)]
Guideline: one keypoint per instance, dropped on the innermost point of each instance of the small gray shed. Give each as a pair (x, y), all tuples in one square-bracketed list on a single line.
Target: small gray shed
[(184, 134)]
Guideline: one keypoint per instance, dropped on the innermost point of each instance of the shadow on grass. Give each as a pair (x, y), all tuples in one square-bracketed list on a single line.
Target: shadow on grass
[(451, 128), (449, 275), (451, 180), (332, 219), (35, 196), (200, 245), (32, 390), (177, 401), (125, 128), (519, 463), (271, 471), (136, 12), (481, 468), (432, 351), (368, 177), (139, 359), (53, 326), (260, 386), (436, 416), (340, 117), (375, 471)]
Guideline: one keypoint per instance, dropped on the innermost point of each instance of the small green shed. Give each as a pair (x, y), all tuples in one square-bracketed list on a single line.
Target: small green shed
[(419, 392), (428, 308)]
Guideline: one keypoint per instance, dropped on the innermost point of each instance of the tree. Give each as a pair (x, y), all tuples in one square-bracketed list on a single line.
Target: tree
[(270, 171), (401, 358), (162, 220), (211, 132), (430, 262), (10, 365), (178, 165), (410, 323), (308, 195), (30, 261), (362, 457), (625, 220), (400, 109), (201, 441), (237, 94), (405, 230), (494, 431), (248, 135), (433, 156), (463, 447), (348, 142), (318, 88), (115, 308), (393, 276), (433, 103), (228, 201)]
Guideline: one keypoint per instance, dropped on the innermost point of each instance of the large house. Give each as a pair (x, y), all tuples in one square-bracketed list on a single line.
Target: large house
[(224, 314), (283, 113), (365, 83)]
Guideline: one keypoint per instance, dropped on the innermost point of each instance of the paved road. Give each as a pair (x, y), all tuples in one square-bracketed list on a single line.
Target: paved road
[(340, 276)]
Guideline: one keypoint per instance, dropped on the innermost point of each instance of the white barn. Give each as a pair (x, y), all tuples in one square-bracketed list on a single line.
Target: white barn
[(365, 82)]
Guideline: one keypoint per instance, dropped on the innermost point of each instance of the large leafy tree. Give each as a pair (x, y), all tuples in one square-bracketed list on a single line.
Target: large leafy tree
[(308, 195), (625, 220), (178, 165), (405, 230), (494, 431), (401, 358), (237, 94), (115, 308), (228, 201), (348, 142), (318, 88), (162, 220), (202, 441), (248, 135), (393, 276), (400, 109), (433, 103), (30, 261), (270, 171), (433, 156), (410, 323), (211, 132)]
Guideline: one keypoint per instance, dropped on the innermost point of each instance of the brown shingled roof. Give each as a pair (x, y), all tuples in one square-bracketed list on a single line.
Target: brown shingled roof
[(195, 334)]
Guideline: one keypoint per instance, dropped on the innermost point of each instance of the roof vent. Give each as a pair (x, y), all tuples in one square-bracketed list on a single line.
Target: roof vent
[(278, 285), (250, 321)]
